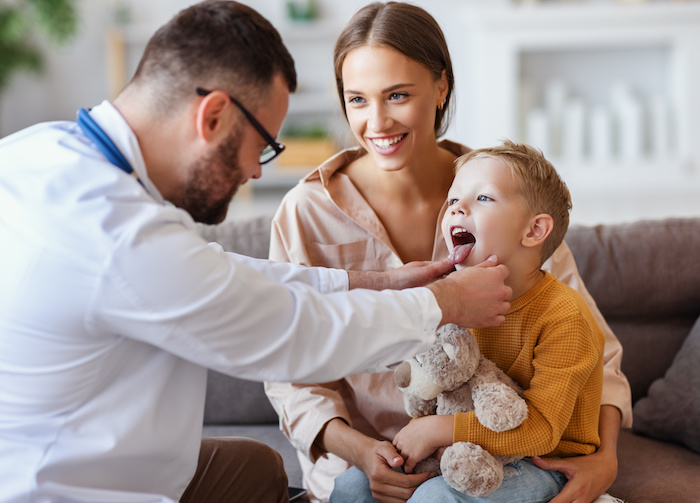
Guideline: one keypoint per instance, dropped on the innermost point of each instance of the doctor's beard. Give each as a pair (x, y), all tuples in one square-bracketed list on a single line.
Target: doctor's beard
[(209, 176)]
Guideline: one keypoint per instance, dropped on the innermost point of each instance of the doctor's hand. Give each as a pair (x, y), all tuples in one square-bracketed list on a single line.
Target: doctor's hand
[(408, 275), (475, 296)]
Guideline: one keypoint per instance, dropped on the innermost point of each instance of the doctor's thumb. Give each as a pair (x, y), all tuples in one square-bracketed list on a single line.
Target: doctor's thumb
[(489, 262)]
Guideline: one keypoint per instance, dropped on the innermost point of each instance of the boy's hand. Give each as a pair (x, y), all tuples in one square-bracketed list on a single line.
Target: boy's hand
[(422, 437)]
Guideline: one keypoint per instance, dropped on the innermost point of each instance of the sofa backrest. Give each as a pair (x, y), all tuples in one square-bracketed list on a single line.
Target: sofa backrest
[(645, 278)]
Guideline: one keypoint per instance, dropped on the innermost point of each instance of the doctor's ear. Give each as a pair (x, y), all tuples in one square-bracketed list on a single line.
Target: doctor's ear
[(540, 227), (211, 118)]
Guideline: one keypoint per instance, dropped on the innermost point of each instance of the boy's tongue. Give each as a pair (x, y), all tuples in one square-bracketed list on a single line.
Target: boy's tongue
[(460, 253)]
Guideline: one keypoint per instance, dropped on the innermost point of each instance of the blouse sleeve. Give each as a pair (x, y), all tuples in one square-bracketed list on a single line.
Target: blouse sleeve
[(303, 410)]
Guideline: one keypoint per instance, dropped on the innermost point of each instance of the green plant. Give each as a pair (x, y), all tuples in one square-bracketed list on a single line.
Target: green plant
[(20, 22)]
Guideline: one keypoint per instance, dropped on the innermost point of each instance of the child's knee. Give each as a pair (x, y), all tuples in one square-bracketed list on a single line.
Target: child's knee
[(351, 486)]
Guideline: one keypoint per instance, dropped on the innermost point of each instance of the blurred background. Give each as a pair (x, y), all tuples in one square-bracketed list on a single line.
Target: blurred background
[(606, 88)]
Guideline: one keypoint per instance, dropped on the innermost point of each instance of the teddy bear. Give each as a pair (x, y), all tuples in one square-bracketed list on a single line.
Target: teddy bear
[(453, 376)]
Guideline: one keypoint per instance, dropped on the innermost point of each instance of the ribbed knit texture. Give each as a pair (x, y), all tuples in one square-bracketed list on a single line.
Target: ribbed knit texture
[(552, 347)]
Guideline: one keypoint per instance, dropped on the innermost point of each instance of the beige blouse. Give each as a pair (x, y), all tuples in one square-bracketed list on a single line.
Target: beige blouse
[(324, 221)]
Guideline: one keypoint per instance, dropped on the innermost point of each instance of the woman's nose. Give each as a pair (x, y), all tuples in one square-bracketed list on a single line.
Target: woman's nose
[(379, 120)]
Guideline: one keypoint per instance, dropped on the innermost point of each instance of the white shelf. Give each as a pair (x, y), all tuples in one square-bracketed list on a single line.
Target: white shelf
[(512, 52), (565, 16)]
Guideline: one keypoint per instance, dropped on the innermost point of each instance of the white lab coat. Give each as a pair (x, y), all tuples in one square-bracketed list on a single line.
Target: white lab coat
[(112, 307)]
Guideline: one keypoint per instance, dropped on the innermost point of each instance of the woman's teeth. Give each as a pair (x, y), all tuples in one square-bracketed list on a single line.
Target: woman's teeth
[(387, 142)]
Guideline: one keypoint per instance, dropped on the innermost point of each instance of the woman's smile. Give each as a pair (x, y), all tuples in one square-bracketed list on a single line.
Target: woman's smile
[(387, 145)]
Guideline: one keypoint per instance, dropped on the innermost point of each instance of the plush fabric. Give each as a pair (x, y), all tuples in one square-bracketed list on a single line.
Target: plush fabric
[(672, 407)]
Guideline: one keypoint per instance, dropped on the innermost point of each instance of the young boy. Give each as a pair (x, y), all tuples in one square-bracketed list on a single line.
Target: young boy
[(509, 201)]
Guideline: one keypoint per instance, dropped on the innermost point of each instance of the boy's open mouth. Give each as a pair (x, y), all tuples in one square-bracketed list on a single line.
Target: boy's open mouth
[(461, 236), (462, 241)]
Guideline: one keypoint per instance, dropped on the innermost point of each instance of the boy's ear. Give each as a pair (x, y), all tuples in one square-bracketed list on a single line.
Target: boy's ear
[(540, 227)]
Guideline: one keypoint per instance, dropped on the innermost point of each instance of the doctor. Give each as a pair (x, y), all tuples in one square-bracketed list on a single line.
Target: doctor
[(112, 307)]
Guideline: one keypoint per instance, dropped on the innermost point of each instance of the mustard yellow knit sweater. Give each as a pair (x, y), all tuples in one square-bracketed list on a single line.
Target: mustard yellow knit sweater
[(553, 348)]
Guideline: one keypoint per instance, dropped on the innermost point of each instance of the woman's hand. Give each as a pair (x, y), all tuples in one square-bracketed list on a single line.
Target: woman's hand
[(422, 437), (388, 485), (592, 475), (376, 458), (589, 476)]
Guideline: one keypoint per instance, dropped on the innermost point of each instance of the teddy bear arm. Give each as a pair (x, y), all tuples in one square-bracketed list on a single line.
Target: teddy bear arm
[(497, 404), (417, 407)]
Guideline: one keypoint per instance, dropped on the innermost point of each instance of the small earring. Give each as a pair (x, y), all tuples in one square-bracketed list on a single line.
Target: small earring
[(441, 105)]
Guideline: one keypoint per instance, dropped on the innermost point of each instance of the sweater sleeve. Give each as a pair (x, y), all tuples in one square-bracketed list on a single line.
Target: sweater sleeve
[(616, 388)]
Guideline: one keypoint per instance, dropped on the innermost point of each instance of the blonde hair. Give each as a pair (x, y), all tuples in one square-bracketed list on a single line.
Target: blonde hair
[(538, 182)]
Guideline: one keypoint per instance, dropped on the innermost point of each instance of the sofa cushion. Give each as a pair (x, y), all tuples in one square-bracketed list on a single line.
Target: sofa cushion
[(639, 259), (230, 400), (672, 408), (248, 237), (644, 277), (652, 471)]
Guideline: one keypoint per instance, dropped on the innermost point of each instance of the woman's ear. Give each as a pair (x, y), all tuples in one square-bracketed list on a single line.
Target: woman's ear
[(442, 87), (210, 117), (539, 228)]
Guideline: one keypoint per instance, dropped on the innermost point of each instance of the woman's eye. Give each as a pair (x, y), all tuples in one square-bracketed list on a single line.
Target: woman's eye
[(356, 100), (397, 96)]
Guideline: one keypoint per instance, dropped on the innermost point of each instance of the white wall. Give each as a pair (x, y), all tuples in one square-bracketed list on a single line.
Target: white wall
[(76, 75)]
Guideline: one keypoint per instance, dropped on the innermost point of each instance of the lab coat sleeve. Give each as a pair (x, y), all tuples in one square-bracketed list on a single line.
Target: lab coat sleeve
[(162, 284)]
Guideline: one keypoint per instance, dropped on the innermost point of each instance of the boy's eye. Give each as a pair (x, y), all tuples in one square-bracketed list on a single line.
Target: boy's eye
[(452, 201), (483, 198)]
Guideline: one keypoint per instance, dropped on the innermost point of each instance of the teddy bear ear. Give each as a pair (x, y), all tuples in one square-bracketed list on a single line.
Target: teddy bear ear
[(450, 350)]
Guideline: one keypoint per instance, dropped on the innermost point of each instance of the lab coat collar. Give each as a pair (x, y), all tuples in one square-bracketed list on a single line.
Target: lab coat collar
[(116, 127)]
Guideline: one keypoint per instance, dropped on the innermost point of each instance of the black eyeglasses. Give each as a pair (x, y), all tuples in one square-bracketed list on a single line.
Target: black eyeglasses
[(273, 148)]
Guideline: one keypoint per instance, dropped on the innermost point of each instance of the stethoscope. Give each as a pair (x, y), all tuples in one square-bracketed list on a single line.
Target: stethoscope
[(93, 131)]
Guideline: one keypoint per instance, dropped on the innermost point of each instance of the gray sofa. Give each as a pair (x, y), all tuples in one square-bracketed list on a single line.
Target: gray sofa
[(645, 277)]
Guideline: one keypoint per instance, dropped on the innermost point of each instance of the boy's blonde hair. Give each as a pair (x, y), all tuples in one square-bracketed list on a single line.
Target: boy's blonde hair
[(538, 182)]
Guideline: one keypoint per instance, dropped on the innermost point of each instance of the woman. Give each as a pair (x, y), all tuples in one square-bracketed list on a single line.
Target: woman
[(378, 206)]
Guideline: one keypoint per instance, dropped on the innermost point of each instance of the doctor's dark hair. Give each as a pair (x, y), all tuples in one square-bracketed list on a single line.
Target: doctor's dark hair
[(407, 29), (215, 44)]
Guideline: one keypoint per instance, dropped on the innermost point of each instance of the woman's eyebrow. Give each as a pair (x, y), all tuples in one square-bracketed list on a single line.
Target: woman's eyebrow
[(386, 90)]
